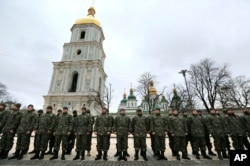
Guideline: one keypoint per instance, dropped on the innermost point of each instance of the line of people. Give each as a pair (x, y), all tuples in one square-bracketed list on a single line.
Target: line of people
[(61, 130)]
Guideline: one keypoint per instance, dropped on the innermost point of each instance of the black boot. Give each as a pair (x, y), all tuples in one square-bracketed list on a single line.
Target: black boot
[(144, 155), (41, 157), (197, 155), (224, 154), (99, 156), (49, 151), (185, 156), (20, 157), (174, 153), (32, 152), (5, 154), (159, 155), (116, 154), (178, 156), (162, 156), (16, 155), (1, 153), (55, 155), (105, 156), (219, 155), (136, 154), (124, 156), (120, 156), (36, 156), (210, 152), (83, 155), (77, 156), (63, 155), (205, 155)]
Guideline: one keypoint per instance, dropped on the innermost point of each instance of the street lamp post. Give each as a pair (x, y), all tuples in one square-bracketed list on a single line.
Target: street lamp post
[(183, 72)]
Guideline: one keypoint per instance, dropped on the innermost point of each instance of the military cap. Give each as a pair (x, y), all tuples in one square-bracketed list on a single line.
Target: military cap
[(65, 108), (3, 104), (49, 107), (18, 105), (40, 111)]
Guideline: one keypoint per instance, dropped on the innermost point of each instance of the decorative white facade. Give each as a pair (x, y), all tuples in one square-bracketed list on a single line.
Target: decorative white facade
[(81, 67)]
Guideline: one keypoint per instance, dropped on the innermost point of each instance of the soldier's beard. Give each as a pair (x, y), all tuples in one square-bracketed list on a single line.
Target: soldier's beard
[(139, 114)]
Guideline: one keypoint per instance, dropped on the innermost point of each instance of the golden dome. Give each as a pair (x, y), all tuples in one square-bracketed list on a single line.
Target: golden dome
[(152, 90), (90, 19)]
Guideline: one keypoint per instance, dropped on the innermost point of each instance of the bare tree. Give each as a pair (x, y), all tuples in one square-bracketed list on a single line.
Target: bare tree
[(108, 95), (3, 92), (236, 93), (205, 80), (143, 89)]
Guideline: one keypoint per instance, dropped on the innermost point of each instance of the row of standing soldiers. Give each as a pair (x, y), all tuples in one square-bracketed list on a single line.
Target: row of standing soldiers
[(66, 128)]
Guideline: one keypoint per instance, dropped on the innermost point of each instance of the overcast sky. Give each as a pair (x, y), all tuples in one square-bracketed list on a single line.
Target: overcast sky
[(157, 36)]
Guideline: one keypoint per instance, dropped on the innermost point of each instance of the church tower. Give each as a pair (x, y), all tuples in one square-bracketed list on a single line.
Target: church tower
[(81, 67)]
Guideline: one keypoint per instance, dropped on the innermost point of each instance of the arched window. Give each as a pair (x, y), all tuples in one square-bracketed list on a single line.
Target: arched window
[(74, 83), (82, 35)]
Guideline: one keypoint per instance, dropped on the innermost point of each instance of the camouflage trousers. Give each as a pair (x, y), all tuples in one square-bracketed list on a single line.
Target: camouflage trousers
[(199, 143), (71, 141), (89, 142), (122, 143), (179, 144), (208, 142), (160, 143), (81, 142), (140, 143), (237, 142), (102, 142), (59, 139), (152, 142), (23, 141), (7, 141), (41, 142), (219, 143)]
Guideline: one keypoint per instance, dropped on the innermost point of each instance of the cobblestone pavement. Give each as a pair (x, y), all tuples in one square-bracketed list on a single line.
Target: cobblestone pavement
[(112, 161)]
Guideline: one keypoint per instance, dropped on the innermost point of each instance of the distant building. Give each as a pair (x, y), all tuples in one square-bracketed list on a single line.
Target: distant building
[(81, 67)]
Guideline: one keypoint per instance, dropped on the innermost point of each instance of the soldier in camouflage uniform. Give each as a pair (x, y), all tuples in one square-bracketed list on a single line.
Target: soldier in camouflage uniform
[(170, 137), (122, 128), (188, 137), (82, 128), (140, 128), (44, 128), (159, 128), (51, 141), (207, 136), (89, 137), (235, 129), (151, 135), (224, 116), (217, 128), (246, 124), (196, 128), (11, 123), (62, 131), (178, 130), (72, 136), (102, 128), (3, 113), (24, 131)]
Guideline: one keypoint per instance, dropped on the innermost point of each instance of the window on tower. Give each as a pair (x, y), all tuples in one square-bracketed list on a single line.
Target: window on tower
[(82, 35), (74, 82)]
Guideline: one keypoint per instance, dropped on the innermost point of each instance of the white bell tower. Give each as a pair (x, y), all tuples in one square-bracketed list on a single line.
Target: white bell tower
[(81, 67)]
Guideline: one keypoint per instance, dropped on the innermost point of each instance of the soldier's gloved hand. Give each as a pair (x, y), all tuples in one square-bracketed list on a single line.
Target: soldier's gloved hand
[(166, 133), (95, 133), (49, 131), (153, 133), (172, 135), (108, 132), (87, 133), (27, 132), (129, 133), (69, 133), (11, 131), (76, 133)]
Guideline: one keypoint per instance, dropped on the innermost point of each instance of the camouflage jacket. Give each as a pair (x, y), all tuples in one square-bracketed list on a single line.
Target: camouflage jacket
[(235, 126), (27, 122), (103, 124), (122, 125), (159, 125), (216, 125), (64, 124), (83, 124), (140, 126), (45, 122), (246, 122), (11, 121), (196, 126), (177, 126), (3, 114)]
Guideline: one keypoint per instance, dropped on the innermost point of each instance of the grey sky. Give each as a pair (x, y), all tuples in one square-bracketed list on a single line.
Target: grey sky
[(160, 36)]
